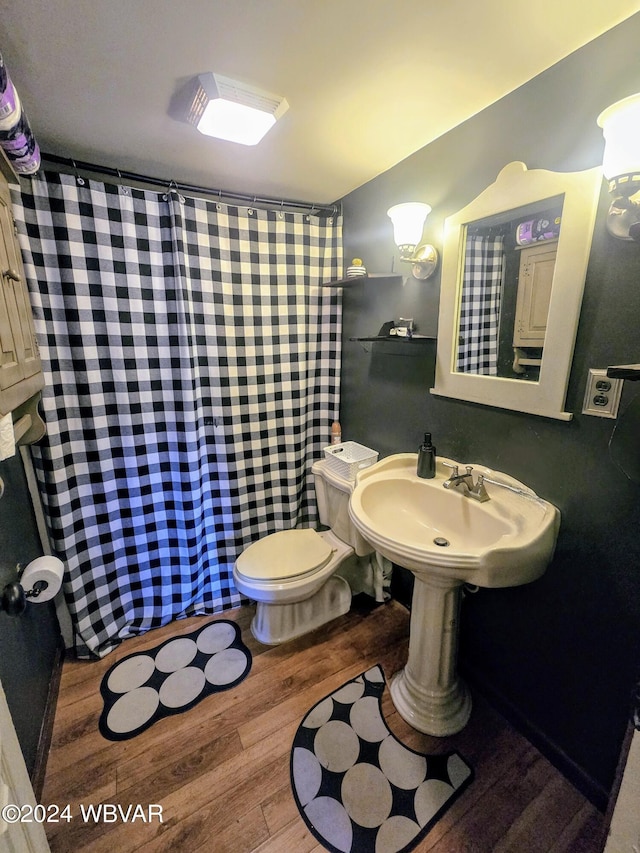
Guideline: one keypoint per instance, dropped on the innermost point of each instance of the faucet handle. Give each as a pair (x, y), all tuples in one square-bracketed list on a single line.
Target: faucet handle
[(479, 491), (454, 471)]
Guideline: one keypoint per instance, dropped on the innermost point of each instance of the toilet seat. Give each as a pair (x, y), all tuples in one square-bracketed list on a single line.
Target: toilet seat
[(283, 556)]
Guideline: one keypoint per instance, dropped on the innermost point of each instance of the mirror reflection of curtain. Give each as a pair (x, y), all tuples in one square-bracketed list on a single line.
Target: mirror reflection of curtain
[(480, 305)]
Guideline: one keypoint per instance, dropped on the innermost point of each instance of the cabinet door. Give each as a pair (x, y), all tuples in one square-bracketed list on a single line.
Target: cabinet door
[(20, 367), (537, 264)]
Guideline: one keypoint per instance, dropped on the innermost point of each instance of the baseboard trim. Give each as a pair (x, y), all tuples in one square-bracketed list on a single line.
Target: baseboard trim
[(46, 729), (578, 777)]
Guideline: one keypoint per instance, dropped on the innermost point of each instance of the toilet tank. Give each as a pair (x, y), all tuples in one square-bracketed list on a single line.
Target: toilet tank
[(332, 496)]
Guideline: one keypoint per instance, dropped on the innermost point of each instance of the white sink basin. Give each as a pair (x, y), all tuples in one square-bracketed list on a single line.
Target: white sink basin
[(447, 538), (418, 524)]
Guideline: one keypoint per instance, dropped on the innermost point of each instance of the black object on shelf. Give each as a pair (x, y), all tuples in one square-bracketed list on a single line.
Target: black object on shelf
[(624, 371)]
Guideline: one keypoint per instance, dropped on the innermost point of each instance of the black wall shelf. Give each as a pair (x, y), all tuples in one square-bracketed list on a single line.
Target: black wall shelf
[(342, 282), (414, 339), (624, 371), (355, 279)]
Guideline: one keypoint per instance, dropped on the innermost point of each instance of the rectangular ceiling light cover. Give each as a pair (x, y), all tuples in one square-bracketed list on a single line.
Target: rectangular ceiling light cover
[(234, 111)]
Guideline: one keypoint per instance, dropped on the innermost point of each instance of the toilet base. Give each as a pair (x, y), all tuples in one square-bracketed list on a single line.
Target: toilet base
[(276, 623)]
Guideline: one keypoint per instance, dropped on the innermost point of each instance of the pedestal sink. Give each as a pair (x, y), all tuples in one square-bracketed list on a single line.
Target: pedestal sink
[(448, 539)]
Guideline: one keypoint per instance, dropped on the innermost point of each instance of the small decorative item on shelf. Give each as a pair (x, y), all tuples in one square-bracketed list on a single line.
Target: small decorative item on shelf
[(356, 269), (537, 230)]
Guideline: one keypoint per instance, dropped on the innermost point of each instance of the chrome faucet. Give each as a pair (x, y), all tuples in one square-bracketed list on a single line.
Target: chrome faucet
[(465, 483)]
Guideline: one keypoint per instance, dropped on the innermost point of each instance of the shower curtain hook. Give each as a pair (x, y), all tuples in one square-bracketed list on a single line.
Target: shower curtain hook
[(79, 180), (122, 189), (173, 188)]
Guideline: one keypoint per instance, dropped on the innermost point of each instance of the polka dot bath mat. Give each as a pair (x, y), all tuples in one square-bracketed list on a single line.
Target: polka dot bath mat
[(358, 788), (171, 678)]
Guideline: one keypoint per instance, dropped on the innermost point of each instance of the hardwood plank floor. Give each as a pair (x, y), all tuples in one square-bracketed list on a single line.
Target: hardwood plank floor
[(221, 770)]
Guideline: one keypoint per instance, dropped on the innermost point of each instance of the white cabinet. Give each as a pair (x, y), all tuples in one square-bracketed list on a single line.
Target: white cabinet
[(537, 264), (20, 367)]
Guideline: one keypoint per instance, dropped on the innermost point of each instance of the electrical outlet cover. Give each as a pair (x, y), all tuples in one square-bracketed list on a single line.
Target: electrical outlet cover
[(602, 394)]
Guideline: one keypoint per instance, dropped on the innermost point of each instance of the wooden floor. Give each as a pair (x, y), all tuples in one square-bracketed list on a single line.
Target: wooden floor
[(221, 770)]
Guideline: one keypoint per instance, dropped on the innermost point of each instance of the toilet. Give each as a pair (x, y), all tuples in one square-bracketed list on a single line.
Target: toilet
[(301, 578)]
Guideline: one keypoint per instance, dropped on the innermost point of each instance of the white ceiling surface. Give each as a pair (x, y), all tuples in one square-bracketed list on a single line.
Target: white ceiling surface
[(368, 81)]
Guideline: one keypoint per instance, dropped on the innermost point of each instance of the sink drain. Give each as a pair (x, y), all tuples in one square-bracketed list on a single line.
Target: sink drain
[(441, 541)]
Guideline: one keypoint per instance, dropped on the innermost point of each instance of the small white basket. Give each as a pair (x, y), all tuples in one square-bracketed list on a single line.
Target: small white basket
[(349, 457)]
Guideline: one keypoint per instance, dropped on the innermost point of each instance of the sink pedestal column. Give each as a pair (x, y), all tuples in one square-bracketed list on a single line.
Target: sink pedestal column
[(427, 693)]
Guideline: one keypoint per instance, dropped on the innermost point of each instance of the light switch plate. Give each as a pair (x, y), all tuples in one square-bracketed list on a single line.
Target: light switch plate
[(602, 395)]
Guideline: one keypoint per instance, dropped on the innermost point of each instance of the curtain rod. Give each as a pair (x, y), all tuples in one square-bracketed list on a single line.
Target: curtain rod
[(80, 166)]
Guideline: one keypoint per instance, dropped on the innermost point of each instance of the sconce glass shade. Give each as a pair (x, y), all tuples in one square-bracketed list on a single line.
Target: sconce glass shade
[(620, 125), (408, 221)]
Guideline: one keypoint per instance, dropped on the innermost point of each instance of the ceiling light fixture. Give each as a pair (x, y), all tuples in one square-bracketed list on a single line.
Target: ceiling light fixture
[(620, 125), (227, 109), (408, 222)]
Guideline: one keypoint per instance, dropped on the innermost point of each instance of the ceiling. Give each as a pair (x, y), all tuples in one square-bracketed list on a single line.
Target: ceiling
[(368, 81)]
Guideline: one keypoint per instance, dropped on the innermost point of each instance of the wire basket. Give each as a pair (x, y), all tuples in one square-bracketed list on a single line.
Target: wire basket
[(349, 457)]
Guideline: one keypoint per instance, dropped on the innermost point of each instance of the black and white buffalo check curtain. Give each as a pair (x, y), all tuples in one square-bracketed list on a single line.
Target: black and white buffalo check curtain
[(192, 366), (480, 305)]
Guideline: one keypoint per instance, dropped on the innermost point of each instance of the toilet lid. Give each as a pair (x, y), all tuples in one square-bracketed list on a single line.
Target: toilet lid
[(287, 554)]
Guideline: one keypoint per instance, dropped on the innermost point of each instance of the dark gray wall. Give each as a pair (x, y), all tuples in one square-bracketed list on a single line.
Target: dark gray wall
[(29, 643), (560, 654)]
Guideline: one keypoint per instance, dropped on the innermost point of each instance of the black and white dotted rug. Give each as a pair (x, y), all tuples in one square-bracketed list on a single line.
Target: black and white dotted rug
[(358, 788), (171, 678)]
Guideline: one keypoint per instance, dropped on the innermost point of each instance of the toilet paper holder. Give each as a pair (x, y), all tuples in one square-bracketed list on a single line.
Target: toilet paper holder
[(40, 581), (14, 597)]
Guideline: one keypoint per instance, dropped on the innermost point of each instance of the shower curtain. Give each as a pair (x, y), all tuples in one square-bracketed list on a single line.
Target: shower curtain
[(480, 305), (192, 367)]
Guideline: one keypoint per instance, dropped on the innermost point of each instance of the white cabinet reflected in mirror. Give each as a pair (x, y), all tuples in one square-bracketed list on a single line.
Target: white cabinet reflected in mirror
[(513, 271)]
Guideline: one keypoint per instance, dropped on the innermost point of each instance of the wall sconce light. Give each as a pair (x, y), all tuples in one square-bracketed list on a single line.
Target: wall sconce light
[(620, 125), (408, 221), (227, 109)]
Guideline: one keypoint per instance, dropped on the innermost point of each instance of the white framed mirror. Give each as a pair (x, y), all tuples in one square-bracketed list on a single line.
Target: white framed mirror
[(513, 270)]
